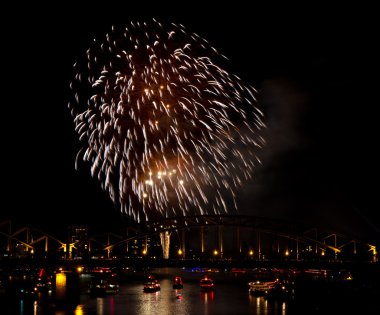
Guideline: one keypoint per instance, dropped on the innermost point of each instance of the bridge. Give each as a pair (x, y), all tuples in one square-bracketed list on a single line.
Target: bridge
[(250, 237)]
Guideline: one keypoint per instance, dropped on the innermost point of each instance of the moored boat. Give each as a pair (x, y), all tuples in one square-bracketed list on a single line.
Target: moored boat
[(282, 290), (101, 286), (206, 283), (152, 284), (177, 283), (261, 287)]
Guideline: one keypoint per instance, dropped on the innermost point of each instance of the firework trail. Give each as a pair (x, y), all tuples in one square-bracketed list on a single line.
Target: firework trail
[(166, 131)]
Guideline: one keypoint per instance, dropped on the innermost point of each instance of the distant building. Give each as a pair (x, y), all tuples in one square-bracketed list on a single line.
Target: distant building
[(78, 235)]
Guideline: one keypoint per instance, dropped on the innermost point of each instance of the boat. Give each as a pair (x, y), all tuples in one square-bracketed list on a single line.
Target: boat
[(152, 284), (282, 290), (206, 283), (177, 283), (261, 287), (44, 283), (101, 286)]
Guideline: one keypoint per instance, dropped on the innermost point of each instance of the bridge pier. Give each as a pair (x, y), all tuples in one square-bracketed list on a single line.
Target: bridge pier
[(183, 244), (165, 243), (202, 241), (258, 237), (238, 242), (220, 240)]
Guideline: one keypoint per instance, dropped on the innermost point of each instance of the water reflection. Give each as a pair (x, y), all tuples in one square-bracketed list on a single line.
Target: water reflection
[(60, 286), (100, 306), (259, 304), (308, 295), (207, 296), (178, 294), (264, 307), (79, 310), (191, 300), (112, 305), (283, 308)]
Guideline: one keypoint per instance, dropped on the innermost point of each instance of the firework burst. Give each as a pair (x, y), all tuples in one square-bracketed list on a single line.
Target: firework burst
[(166, 130)]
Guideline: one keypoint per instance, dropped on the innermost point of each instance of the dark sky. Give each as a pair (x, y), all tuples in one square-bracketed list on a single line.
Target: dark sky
[(315, 70)]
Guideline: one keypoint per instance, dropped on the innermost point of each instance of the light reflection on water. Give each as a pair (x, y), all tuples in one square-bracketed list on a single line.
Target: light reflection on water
[(259, 304), (207, 296), (100, 306), (264, 307), (231, 296), (227, 298), (79, 310)]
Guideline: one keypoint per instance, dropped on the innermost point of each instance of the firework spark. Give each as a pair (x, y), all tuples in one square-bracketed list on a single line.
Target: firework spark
[(165, 129)]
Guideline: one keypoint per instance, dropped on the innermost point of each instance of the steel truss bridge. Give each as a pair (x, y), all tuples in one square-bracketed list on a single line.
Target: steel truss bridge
[(288, 239)]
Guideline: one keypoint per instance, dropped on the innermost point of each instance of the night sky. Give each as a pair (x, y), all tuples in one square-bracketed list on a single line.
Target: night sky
[(315, 71)]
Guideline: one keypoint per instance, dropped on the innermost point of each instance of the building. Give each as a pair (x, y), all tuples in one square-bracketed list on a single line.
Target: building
[(78, 235)]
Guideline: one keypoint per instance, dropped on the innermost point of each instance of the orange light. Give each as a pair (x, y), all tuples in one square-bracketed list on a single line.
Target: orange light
[(79, 310), (60, 279)]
